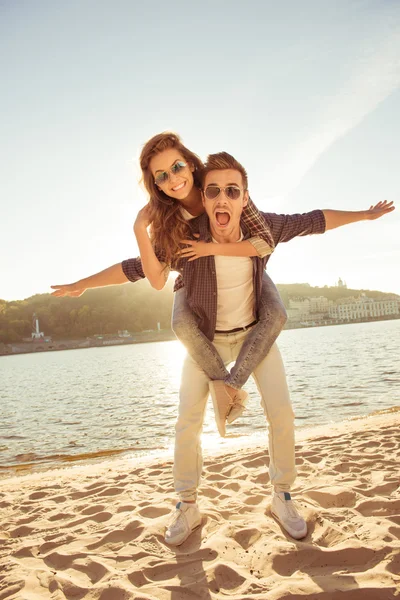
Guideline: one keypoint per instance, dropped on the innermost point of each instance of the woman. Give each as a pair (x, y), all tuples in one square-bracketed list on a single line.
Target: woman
[(171, 176)]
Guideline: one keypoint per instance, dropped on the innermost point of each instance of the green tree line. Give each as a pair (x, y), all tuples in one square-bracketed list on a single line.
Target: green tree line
[(133, 307)]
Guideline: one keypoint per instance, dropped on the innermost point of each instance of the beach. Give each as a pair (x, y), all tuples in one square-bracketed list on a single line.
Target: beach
[(96, 531)]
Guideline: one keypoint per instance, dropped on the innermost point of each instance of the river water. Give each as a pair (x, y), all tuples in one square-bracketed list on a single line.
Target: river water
[(81, 405)]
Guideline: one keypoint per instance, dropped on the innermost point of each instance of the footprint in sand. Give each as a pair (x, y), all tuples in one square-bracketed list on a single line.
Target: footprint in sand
[(378, 508), (22, 531), (254, 500), (247, 537), (153, 512), (227, 578), (90, 510), (37, 495), (333, 496), (119, 536)]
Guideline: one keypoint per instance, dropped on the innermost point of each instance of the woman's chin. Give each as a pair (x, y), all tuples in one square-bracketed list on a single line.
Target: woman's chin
[(180, 197), (182, 192)]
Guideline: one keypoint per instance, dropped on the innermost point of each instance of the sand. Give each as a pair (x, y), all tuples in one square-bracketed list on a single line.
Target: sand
[(96, 532)]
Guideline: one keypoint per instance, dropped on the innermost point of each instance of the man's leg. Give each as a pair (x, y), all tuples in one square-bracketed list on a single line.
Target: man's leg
[(270, 378), (188, 460), (271, 382), (275, 399)]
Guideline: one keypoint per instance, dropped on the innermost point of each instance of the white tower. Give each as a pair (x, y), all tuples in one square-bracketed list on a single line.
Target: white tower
[(36, 333)]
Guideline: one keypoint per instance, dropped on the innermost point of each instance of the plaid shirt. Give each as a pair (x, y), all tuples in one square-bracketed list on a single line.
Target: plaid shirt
[(250, 220), (261, 234), (199, 276)]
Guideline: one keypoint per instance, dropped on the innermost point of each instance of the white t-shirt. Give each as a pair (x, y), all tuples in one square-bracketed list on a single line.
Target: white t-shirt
[(235, 300), (186, 214)]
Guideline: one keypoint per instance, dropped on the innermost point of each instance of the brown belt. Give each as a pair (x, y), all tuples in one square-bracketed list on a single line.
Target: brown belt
[(245, 328)]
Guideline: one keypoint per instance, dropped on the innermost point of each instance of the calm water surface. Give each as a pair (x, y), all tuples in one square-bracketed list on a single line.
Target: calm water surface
[(87, 404)]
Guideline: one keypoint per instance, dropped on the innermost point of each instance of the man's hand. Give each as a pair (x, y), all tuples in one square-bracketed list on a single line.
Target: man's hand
[(338, 218), (70, 289), (196, 249), (143, 218), (380, 209)]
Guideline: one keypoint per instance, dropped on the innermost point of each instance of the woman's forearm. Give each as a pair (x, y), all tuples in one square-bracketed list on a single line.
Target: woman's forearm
[(244, 248), (254, 246), (153, 269), (111, 276)]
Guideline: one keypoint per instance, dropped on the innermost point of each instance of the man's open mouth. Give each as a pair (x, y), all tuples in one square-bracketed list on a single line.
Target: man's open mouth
[(222, 218)]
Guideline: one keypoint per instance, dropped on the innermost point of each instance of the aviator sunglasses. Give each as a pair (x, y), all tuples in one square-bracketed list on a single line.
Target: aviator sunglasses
[(163, 177), (231, 191)]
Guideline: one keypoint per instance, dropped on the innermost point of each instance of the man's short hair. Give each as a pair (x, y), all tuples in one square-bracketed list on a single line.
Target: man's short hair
[(221, 161)]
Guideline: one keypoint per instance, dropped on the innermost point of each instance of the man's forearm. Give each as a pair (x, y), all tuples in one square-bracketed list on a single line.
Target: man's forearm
[(111, 276), (337, 218)]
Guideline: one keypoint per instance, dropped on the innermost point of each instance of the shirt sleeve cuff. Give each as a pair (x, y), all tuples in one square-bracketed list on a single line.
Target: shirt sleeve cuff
[(132, 268), (319, 221), (263, 249)]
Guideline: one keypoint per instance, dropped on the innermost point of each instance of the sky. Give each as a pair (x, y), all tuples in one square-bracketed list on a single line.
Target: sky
[(305, 95)]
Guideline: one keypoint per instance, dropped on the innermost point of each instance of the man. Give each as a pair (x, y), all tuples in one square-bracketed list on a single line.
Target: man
[(227, 290)]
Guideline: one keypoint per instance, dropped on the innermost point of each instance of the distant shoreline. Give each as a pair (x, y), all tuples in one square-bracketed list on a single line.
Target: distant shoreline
[(144, 337)]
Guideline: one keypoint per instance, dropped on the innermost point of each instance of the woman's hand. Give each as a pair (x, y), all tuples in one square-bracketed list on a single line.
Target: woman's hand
[(143, 218), (195, 249), (74, 290)]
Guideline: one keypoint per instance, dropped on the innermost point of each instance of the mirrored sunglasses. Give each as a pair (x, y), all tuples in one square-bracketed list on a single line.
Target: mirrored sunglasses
[(231, 191), (163, 177)]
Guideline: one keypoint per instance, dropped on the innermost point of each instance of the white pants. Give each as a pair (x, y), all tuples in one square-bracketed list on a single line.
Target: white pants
[(270, 379)]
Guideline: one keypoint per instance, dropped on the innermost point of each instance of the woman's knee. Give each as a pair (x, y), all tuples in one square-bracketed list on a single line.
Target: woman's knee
[(183, 324), (278, 313), (274, 312)]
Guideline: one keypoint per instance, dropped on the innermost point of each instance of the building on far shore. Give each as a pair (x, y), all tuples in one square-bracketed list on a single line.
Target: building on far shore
[(363, 308), (306, 309), (320, 310)]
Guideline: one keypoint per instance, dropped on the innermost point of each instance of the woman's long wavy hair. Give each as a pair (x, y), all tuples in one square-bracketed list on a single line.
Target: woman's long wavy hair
[(168, 226)]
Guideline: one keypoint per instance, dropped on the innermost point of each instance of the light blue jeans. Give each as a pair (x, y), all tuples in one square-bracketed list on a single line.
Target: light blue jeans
[(258, 342)]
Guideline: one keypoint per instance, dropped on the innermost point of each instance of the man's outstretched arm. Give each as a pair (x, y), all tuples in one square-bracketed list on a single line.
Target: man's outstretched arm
[(286, 227), (114, 275), (337, 218)]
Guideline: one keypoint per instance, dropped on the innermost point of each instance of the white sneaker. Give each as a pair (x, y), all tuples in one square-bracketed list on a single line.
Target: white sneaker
[(239, 405), (185, 519), (284, 510)]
